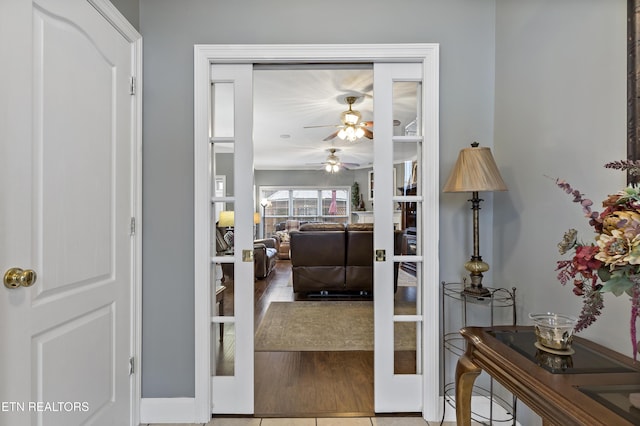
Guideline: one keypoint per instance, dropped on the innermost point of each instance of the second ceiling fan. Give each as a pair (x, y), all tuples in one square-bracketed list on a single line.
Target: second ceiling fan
[(333, 164)]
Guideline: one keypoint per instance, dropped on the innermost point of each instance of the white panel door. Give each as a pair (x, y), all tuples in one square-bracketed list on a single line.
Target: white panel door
[(68, 201)]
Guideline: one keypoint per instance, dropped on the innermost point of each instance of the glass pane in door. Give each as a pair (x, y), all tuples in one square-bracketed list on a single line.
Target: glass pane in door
[(407, 152), (406, 104), (222, 159), (222, 118), (222, 333), (405, 357)]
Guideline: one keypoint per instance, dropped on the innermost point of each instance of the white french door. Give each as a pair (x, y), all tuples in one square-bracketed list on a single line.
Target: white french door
[(230, 219), (226, 71), (404, 314)]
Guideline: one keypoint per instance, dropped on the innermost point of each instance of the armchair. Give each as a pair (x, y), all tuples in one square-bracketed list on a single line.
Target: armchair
[(265, 253)]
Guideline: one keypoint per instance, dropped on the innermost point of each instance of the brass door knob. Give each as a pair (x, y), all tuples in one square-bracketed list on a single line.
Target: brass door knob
[(16, 277)]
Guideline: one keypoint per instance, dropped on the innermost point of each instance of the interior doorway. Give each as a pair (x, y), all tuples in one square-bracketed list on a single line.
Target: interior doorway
[(298, 114), (414, 390)]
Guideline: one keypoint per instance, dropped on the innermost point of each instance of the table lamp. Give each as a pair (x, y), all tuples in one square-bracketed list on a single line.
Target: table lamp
[(226, 219), (475, 171)]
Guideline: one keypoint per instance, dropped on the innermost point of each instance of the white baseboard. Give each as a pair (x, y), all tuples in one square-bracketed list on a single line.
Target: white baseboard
[(183, 410), (168, 410)]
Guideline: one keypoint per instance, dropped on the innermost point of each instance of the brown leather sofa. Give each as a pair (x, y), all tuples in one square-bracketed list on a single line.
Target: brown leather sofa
[(329, 257)]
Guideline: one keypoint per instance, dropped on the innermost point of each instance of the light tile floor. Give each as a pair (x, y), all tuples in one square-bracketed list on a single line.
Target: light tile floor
[(333, 421)]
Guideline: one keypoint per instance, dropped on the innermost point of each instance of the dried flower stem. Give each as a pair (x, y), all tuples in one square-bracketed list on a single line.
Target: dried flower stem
[(578, 197), (635, 302), (591, 309)]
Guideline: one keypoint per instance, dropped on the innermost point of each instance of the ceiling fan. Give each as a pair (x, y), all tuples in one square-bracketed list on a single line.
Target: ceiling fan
[(333, 164), (352, 128)]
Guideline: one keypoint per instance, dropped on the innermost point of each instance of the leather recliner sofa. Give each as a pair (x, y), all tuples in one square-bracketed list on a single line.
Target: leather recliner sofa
[(329, 257)]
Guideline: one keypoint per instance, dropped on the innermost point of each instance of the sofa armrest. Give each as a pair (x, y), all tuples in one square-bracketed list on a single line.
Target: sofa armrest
[(259, 260), (277, 240), (267, 242)]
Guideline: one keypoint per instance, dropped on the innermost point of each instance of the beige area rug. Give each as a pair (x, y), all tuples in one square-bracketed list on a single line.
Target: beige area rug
[(325, 326), (405, 279)]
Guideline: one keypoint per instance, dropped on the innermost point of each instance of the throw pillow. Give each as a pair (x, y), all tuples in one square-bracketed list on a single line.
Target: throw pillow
[(221, 243), (228, 237), (283, 235)]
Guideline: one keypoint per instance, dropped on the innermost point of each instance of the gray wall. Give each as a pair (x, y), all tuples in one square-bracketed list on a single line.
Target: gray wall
[(465, 31), (553, 71), (130, 9), (560, 112)]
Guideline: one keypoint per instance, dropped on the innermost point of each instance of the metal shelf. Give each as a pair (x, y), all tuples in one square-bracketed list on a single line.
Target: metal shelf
[(499, 297), (454, 343), (488, 408)]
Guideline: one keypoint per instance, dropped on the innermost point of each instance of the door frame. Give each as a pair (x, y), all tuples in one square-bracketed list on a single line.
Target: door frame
[(204, 55), (120, 23), (124, 27)]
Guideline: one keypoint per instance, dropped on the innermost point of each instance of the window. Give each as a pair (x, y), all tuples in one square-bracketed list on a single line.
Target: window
[(307, 204)]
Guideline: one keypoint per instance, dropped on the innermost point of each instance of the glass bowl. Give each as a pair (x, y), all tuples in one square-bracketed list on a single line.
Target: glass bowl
[(554, 331)]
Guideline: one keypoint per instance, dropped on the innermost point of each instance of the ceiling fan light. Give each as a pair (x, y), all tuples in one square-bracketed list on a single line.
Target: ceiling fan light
[(350, 132), (359, 132), (342, 134), (335, 168), (328, 167)]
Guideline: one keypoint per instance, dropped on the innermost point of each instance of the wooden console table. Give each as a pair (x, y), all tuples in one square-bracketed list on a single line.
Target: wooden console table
[(590, 387)]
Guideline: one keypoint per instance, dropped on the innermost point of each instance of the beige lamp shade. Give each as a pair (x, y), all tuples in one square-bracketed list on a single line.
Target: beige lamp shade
[(226, 219), (475, 170)]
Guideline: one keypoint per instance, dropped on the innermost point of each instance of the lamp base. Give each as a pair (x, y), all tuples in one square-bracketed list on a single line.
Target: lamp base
[(476, 291), (476, 266)]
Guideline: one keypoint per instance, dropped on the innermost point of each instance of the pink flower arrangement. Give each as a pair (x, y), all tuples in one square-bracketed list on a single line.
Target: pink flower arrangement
[(612, 264)]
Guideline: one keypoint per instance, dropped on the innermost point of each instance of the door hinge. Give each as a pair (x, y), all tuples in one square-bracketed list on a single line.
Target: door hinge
[(132, 85), (132, 228), (131, 366)]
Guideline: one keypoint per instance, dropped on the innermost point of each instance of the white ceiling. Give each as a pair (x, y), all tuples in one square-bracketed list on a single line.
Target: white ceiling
[(288, 99)]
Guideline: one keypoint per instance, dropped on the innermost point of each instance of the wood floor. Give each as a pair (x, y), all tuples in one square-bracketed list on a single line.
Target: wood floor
[(305, 384)]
